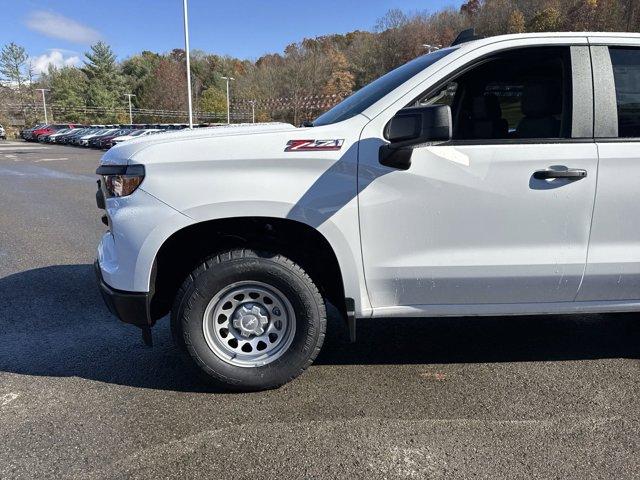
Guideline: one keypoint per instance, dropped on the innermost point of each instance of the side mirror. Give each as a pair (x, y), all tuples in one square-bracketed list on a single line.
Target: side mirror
[(414, 126)]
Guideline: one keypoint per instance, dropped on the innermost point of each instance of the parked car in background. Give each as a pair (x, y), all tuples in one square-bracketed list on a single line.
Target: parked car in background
[(73, 137), (46, 138), (58, 136), (105, 141), (101, 140), (67, 138), (84, 140), (94, 136), (47, 130), (3, 133), (134, 134), (27, 133), (108, 142)]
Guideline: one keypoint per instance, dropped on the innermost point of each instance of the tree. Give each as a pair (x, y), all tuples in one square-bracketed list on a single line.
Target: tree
[(546, 20), (138, 69), (17, 74), (392, 43), (13, 63), (166, 88), (302, 81), (471, 8), (516, 22), (68, 86), (341, 80), (494, 17), (358, 54), (105, 83), (213, 100), (631, 16)]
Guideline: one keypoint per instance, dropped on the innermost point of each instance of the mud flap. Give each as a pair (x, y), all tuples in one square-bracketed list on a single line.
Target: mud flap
[(351, 318), (147, 338)]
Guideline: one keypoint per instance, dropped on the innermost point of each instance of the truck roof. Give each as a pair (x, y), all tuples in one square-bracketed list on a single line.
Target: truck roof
[(516, 36)]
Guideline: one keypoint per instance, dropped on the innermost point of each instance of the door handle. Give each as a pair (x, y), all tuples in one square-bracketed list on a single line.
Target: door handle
[(571, 173)]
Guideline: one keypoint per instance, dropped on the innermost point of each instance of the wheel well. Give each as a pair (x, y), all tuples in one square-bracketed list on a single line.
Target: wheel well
[(185, 250)]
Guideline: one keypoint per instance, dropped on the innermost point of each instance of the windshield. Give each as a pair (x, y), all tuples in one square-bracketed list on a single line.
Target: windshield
[(367, 96)]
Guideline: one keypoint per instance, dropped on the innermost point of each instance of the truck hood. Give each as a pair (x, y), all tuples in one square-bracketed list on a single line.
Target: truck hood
[(123, 152)]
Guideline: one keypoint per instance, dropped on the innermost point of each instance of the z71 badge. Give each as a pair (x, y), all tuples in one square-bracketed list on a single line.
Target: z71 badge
[(313, 145)]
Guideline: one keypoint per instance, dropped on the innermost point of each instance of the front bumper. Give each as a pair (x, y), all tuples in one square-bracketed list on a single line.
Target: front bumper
[(130, 307)]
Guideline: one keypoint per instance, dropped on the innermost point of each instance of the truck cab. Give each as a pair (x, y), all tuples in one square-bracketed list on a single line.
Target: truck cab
[(494, 177)]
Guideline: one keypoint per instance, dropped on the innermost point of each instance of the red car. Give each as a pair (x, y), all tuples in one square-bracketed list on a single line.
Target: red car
[(48, 130)]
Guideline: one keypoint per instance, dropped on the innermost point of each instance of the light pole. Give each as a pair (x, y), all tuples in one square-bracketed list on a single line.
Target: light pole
[(253, 111), (129, 95), (186, 49), (44, 103), (228, 79)]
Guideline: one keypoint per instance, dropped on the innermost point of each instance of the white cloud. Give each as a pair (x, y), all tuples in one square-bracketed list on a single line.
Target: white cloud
[(55, 58), (58, 26)]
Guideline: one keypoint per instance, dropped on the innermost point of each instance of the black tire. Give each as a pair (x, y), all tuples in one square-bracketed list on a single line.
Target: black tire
[(217, 273)]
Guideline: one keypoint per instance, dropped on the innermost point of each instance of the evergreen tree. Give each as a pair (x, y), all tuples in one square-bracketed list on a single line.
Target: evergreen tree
[(138, 69), (16, 71), (68, 87), (105, 82), (13, 63)]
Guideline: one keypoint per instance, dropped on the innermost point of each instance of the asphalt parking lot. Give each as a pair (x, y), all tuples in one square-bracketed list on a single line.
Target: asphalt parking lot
[(81, 397)]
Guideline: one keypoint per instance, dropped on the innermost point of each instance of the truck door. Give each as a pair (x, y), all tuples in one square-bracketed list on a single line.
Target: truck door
[(613, 267), (471, 222)]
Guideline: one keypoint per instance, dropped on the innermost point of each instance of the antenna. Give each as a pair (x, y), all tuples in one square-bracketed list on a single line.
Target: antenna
[(465, 36)]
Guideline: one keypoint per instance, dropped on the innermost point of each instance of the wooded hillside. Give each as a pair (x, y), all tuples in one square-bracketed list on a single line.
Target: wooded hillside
[(294, 85)]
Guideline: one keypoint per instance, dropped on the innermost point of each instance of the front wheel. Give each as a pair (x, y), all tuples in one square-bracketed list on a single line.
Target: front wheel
[(251, 320)]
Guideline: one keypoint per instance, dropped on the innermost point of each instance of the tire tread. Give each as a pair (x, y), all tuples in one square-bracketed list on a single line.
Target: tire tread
[(189, 285)]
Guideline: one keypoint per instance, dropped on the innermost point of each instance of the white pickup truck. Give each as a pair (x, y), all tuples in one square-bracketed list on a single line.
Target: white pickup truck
[(499, 176)]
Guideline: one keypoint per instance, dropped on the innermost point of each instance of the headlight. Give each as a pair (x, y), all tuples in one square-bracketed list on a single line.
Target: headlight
[(120, 180)]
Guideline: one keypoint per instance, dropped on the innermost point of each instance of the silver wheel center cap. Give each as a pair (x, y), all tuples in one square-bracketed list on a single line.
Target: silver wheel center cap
[(249, 322), (250, 319)]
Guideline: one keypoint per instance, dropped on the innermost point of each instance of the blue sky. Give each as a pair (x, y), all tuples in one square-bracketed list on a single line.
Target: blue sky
[(60, 31)]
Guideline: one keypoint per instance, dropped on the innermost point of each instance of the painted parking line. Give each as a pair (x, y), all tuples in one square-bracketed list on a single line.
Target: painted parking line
[(12, 146), (51, 159), (27, 170), (7, 398)]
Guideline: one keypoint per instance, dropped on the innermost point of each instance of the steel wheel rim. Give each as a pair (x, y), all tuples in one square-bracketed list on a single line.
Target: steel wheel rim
[(234, 324)]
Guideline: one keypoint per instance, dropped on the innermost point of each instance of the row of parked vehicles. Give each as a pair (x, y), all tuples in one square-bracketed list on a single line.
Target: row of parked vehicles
[(93, 136)]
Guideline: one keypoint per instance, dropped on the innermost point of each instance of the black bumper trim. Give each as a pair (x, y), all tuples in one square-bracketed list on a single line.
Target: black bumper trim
[(129, 307)]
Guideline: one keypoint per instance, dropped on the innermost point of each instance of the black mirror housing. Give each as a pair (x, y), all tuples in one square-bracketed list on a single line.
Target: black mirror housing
[(416, 125)]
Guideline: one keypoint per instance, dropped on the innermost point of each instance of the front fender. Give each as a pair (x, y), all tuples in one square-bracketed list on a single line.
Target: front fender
[(140, 224), (340, 230), (225, 177)]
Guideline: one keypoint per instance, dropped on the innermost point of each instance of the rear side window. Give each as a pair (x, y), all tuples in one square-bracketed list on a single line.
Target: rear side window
[(626, 72)]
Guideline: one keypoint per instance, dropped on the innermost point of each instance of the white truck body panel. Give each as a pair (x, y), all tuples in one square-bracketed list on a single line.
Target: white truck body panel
[(315, 188), (408, 243)]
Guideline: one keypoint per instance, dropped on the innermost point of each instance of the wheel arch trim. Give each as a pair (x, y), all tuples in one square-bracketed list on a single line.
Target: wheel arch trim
[(346, 250)]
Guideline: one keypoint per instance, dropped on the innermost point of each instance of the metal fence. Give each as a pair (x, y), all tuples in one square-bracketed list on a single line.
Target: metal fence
[(291, 109)]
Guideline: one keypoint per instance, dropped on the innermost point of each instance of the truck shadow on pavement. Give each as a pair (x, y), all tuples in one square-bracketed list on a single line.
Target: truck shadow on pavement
[(54, 323)]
